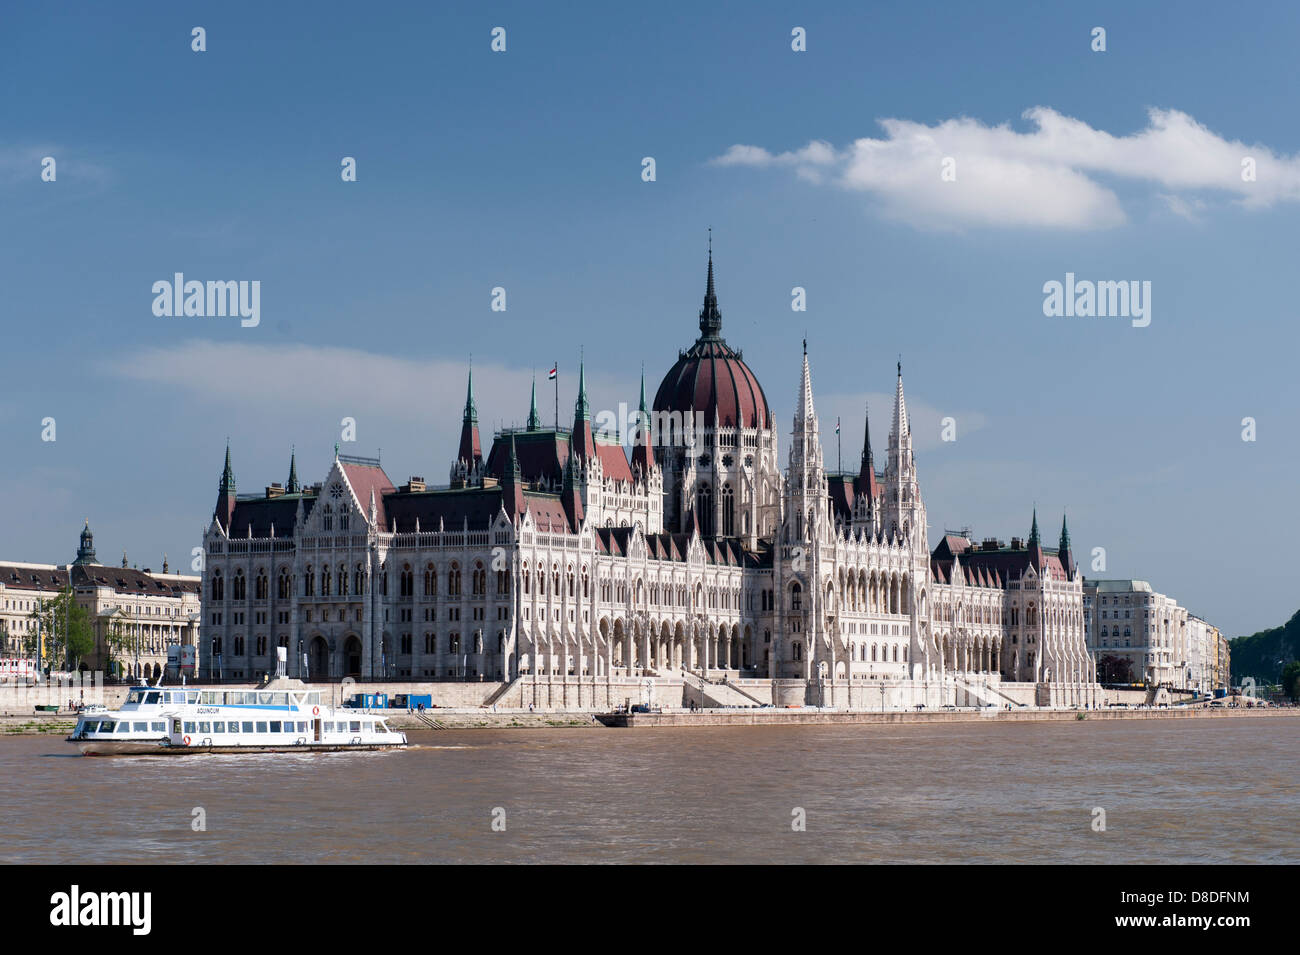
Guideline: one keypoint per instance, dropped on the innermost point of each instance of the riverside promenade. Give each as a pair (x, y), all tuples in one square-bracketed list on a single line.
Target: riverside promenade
[(57, 724)]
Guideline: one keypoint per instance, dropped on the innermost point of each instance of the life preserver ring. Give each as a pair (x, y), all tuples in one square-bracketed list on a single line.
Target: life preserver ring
[(186, 741), (315, 711)]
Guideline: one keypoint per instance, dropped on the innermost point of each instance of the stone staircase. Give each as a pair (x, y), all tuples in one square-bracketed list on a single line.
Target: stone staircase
[(713, 695)]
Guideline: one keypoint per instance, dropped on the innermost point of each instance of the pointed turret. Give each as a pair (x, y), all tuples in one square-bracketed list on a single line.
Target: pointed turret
[(583, 443), (1035, 544), (641, 456), (292, 486), (867, 471), (225, 508), (901, 427), (904, 513), (512, 485), (571, 495), (471, 451), (1064, 551), (534, 419)]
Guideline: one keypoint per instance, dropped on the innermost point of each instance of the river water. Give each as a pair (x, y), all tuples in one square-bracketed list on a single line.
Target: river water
[(1176, 791)]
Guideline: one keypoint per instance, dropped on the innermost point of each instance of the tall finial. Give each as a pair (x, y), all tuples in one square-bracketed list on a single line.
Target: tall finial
[(710, 315)]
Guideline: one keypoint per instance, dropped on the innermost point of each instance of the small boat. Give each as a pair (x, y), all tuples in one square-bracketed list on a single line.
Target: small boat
[(156, 721)]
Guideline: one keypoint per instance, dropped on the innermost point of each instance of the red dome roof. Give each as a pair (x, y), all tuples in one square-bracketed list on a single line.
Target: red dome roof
[(710, 378)]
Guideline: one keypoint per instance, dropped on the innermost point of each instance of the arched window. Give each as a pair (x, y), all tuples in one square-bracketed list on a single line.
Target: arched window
[(218, 586), (430, 580), (728, 511), (309, 583), (241, 586), (704, 509), (796, 597), (261, 586), (284, 584), (343, 581)]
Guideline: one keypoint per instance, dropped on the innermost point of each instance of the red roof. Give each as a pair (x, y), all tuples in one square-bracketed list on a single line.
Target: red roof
[(365, 478), (710, 378)]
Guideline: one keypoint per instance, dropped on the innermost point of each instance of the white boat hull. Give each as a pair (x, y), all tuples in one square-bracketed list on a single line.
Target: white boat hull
[(91, 747)]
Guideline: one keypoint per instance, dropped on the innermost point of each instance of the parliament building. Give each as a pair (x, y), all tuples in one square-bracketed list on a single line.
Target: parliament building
[(693, 564)]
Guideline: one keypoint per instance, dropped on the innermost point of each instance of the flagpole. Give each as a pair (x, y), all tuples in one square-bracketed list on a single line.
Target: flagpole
[(556, 366), (839, 451)]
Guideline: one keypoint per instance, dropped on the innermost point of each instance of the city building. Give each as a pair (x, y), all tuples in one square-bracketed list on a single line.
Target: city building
[(142, 611), (1140, 636), (560, 560)]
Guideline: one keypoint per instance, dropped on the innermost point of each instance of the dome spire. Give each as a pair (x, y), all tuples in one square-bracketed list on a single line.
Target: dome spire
[(710, 315)]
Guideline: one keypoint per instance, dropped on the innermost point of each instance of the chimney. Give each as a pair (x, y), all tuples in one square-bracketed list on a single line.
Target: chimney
[(275, 490)]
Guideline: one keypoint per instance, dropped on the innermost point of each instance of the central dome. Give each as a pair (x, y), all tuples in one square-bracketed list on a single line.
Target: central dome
[(711, 378)]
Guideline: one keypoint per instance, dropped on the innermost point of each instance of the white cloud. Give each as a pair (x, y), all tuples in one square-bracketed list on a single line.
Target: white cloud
[(294, 377), (1048, 177)]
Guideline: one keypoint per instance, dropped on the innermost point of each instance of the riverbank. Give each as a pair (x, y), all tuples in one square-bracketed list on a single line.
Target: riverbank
[(50, 724)]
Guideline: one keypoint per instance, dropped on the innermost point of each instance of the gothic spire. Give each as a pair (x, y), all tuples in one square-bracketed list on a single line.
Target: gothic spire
[(228, 475), (710, 315), (867, 472), (900, 407), (292, 486), (471, 410), (641, 447), (1065, 536), (1033, 531), (582, 443), (534, 419), (804, 403), (582, 410), (471, 450)]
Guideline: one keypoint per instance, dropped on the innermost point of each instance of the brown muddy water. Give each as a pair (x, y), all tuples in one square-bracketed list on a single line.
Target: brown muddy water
[(1196, 791)]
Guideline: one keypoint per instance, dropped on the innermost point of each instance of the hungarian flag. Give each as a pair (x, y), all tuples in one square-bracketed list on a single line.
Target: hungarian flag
[(837, 425), (554, 371)]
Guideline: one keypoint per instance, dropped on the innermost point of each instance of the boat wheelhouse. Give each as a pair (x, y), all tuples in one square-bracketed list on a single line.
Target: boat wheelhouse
[(175, 721)]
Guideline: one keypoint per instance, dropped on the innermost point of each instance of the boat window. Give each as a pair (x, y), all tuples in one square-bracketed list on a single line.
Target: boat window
[(219, 726), (160, 727), (90, 727), (139, 727), (302, 727), (106, 726), (189, 726), (275, 726), (313, 698), (205, 727), (266, 699), (261, 726), (193, 697), (124, 727), (248, 727), (133, 696), (354, 726), (210, 699), (152, 697)]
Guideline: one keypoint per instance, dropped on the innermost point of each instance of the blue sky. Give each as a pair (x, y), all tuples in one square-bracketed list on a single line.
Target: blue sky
[(522, 169)]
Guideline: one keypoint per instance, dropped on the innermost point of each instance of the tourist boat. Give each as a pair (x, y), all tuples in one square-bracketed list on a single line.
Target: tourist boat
[(166, 721)]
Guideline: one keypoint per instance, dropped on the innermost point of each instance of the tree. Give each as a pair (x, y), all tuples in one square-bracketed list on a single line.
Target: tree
[(117, 642), (1112, 668), (63, 635), (1291, 680)]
